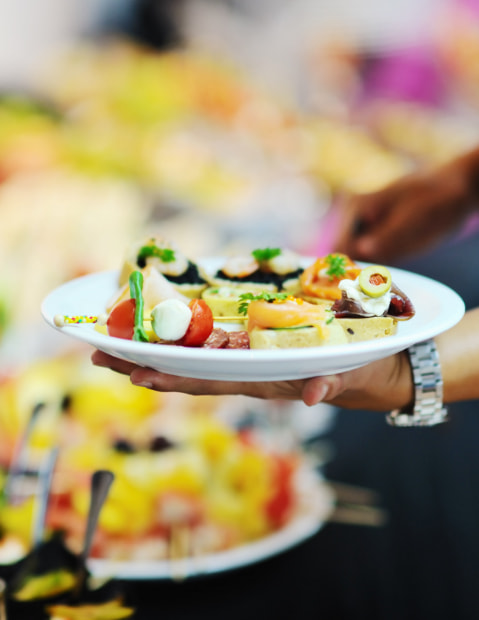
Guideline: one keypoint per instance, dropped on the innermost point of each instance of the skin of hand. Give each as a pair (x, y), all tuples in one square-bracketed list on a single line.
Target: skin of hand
[(355, 389), (380, 386), (411, 214)]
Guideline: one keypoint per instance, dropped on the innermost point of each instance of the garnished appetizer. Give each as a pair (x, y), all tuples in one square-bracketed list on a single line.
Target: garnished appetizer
[(167, 259), (224, 301), (172, 320), (371, 305), (279, 320), (320, 281), (270, 269)]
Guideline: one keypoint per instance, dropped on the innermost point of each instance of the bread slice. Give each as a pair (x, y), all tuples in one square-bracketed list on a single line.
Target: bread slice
[(358, 330), (298, 337), (224, 300)]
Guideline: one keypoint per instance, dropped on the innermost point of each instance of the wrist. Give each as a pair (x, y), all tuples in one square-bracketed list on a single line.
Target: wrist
[(426, 407)]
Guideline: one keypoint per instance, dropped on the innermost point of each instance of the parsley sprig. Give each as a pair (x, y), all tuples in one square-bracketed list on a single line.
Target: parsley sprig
[(246, 298), (336, 265), (265, 254), (166, 255)]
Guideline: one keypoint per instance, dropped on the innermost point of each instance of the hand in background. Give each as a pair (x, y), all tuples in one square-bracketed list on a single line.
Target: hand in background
[(410, 215)]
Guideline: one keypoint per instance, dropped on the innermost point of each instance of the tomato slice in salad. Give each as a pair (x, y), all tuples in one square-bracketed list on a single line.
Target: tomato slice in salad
[(121, 321), (201, 324)]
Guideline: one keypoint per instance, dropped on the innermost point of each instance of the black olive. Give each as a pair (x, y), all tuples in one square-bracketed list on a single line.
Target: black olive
[(124, 446), (160, 443), (66, 403)]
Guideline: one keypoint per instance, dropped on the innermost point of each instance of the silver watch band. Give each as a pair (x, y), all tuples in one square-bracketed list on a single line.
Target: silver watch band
[(428, 407)]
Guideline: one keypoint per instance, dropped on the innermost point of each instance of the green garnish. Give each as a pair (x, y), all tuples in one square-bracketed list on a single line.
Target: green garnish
[(136, 293), (330, 320), (166, 255), (265, 254), (336, 265), (246, 298)]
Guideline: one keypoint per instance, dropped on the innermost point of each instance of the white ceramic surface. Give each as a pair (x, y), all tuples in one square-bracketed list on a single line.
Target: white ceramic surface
[(437, 307)]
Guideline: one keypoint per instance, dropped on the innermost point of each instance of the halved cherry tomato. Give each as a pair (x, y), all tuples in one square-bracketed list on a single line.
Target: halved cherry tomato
[(201, 324), (121, 321)]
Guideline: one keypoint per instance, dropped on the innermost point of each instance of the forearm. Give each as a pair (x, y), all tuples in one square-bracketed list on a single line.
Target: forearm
[(459, 355)]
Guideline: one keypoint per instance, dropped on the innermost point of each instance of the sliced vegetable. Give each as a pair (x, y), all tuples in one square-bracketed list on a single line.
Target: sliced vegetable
[(136, 293), (112, 610), (281, 502), (201, 324), (45, 586), (121, 321), (375, 280)]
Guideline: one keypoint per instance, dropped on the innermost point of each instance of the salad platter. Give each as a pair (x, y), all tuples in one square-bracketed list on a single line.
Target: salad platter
[(316, 502)]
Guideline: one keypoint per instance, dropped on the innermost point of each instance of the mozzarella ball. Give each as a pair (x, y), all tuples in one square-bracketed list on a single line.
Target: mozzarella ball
[(170, 319)]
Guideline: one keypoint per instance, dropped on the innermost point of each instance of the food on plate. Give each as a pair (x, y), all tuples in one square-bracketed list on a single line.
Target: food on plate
[(319, 283), (364, 301), (371, 305), (47, 574), (48, 582), (224, 301), (337, 301), (166, 258), (172, 320), (45, 585), (111, 610), (277, 321), (272, 269), (156, 288)]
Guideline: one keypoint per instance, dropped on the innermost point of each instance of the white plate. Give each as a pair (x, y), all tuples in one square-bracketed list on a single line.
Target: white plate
[(316, 503), (437, 309)]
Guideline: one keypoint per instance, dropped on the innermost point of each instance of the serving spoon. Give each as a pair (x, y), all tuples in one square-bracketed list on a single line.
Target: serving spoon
[(101, 482), (19, 462)]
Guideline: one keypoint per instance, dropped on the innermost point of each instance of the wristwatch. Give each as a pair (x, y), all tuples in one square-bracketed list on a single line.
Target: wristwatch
[(428, 407)]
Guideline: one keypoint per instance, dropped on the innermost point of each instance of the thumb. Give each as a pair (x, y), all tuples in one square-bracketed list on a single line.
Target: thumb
[(319, 389)]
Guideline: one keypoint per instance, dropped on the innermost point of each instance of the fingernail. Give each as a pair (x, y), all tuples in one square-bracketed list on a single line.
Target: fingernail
[(323, 391), (145, 384)]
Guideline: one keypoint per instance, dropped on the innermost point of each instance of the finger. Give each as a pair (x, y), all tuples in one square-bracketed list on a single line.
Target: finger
[(99, 358), (359, 215), (321, 389), (163, 382), (396, 235)]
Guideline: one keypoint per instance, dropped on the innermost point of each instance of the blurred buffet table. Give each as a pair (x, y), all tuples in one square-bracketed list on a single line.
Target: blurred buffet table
[(222, 508)]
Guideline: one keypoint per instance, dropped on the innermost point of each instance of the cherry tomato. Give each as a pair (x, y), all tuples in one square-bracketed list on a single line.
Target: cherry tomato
[(201, 324), (121, 321)]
